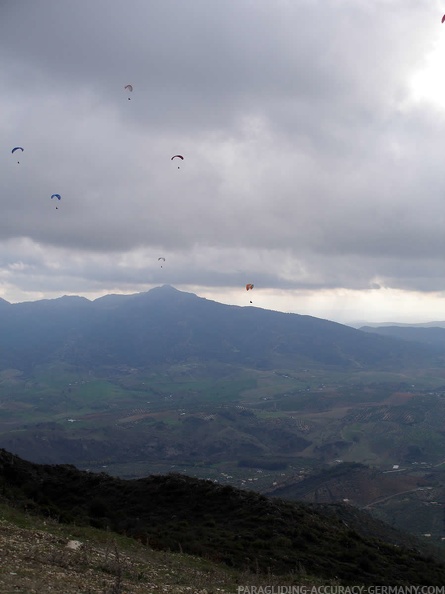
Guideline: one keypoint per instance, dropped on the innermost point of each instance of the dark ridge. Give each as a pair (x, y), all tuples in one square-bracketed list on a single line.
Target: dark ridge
[(239, 528)]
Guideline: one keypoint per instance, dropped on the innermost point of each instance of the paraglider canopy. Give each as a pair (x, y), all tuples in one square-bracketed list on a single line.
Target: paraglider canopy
[(17, 148), (130, 89), (443, 18), (249, 287), (58, 196), (177, 156)]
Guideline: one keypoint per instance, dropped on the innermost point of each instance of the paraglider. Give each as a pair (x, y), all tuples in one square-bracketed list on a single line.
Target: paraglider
[(161, 258), (129, 88), (177, 156), (443, 18), (17, 148), (249, 287), (58, 196)]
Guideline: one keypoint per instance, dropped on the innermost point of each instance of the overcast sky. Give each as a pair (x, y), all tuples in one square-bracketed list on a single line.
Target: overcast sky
[(313, 136)]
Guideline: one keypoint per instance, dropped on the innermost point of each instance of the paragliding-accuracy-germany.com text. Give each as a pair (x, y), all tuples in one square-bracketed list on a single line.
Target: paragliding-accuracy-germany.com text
[(381, 589)]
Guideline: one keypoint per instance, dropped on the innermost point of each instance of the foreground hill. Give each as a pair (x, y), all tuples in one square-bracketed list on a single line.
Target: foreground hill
[(238, 528), (41, 555), (166, 326)]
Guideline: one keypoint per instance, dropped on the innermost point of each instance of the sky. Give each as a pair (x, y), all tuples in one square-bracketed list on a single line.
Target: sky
[(313, 136)]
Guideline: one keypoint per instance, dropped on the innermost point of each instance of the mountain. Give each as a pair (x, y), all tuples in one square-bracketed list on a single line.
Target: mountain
[(167, 326), (361, 324), (4, 303), (238, 528), (433, 336), (353, 482)]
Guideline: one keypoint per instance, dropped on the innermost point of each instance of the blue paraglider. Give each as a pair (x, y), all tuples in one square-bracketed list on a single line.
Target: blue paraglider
[(58, 196)]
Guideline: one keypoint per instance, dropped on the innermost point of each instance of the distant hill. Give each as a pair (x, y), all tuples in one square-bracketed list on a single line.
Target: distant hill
[(399, 324), (239, 528), (433, 336), (354, 483), (166, 326)]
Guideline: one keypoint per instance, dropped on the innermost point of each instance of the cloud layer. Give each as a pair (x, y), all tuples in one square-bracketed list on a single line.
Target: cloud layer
[(312, 162)]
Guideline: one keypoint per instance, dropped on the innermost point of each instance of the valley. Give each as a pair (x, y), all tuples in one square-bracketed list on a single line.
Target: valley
[(270, 431), (167, 382)]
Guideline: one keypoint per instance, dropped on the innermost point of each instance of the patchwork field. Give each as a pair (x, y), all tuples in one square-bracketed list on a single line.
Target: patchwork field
[(254, 429)]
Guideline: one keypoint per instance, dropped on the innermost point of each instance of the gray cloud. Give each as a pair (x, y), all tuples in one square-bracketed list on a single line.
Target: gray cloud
[(307, 164)]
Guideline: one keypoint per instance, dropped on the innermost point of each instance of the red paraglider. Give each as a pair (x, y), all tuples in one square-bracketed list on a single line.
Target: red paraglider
[(443, 18), (249, 287)]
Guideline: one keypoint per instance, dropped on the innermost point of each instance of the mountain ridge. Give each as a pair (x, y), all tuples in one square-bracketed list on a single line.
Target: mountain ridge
[(428, 335), (165, 325)]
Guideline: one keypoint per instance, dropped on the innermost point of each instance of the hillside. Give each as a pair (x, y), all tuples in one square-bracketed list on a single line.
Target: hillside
[(433, 336), (240, 529), (41, 555), (355, 483), (143, 383), (166, 326), (165, 382)]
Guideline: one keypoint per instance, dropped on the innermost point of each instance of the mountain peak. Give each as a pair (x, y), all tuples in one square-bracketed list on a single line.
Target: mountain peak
[(4, 303)]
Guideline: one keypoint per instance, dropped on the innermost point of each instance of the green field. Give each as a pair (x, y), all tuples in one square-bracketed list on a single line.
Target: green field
[(184, 413)]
